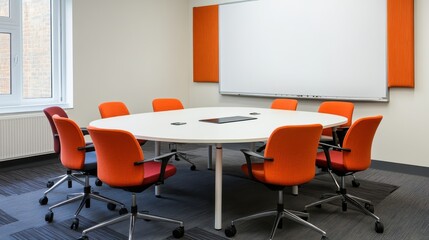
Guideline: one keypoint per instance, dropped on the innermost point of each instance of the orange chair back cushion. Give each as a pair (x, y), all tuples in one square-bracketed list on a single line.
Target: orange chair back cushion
[(344, 109), (71, 138), (293, 149), (166, 104), (284, 104), (117, 151), (359, 139), (113, 109)]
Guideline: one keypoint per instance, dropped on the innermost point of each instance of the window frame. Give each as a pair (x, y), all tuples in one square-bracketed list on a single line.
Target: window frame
[(61, 60)]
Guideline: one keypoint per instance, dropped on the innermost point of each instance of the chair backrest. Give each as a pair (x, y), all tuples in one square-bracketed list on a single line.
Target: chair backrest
[(344, 109), (112, 109), (284, 104), (359, 139), (50, 112), (117, 150), (166, 104), (71, 139), (294, 150)]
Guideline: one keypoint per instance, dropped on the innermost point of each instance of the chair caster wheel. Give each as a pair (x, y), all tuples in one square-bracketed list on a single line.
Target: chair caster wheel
[(324, 238), (75, 224), (179, 232), (49, 216), (111, 206), (369, 207), (230, 231), (355, 183), (379, 228), (83, 238), (193, 168), (344, 206), (49, 184), (123, 211), (98, 183), (43, 200)]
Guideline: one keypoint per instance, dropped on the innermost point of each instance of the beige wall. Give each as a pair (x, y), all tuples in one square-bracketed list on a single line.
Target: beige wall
[(135, 50), (130, 51), (403, 133)]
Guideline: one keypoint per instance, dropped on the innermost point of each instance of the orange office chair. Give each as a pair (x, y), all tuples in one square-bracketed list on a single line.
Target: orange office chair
[(284, 104), (281, 104), (114, 109), (75, 157), (69, 176), (168, 104), (344, 109), (121, 165), (353, 156), (288, 160), (336, 135)]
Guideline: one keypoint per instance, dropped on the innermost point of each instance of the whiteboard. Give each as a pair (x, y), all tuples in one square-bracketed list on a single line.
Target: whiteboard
[(322, 49)]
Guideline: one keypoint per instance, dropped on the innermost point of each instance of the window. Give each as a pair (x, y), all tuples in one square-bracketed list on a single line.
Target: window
[(35, 54)]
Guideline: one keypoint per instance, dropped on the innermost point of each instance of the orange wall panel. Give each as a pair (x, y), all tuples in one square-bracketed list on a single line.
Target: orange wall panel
[(400, 42), (206, 44)]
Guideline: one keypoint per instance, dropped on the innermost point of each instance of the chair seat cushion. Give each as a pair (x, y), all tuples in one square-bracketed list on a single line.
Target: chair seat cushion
[(151, 176), (152, 170), (257, 171), (90, 165), (336, 161)]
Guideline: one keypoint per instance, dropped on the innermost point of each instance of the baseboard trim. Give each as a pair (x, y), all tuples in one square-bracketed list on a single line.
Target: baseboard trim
[(28, 161), (400, 168)]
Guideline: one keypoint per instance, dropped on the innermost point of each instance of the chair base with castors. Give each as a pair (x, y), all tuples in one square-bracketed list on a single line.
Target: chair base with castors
[(280, 213), (132, 217), (69, 177), (85, 198), (367, 207), (181, 156)]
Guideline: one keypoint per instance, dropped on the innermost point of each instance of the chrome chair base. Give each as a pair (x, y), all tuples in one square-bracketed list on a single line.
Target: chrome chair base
[(367, 208), (346, 198), (288, 214), (65, 177), (280, 213), (85, 198), (133, 216)]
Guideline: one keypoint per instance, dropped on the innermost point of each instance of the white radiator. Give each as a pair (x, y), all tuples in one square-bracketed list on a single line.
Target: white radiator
[(24, 136)]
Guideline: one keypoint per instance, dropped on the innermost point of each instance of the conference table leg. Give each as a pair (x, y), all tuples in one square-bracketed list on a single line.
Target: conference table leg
[(218, 188), (157, 153), (209, 162)]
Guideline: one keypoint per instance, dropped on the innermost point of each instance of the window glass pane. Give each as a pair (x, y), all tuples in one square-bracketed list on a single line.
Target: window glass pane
[(5, 64), (36, 32), (4, 8)]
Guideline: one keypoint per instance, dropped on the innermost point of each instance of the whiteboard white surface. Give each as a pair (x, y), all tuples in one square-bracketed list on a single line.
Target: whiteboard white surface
[(327, 49)]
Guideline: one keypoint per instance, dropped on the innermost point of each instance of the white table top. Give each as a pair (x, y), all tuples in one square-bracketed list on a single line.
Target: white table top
[(156, 126)]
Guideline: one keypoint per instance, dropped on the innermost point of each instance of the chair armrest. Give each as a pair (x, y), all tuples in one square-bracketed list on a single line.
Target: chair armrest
[(88, 148), (261, 148), (165, 158), (248, 154), (326, 148), (84, 130)]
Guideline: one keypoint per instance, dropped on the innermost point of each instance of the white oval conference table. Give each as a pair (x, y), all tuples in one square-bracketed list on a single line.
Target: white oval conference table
[(159, 127)]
